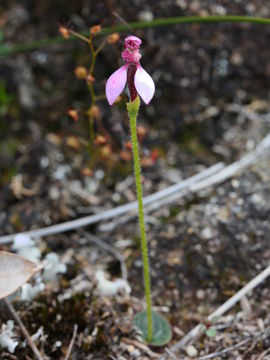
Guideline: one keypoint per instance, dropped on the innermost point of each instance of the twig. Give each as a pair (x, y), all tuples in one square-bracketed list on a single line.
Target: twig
[(223, 308), (214, 355), (71, 344), (79, 36), (142, 347), (112, 225), (115, 212), (262, 355), (23, 329), (100, 243), (171, 354), (226, 350)]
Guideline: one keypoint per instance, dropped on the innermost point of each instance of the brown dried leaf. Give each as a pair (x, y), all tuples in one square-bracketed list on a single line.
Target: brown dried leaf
[(14, 272)]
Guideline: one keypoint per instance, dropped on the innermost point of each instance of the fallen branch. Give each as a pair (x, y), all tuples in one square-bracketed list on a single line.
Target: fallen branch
[(207, 178), (222, 309), (258, 336), (115, 212)]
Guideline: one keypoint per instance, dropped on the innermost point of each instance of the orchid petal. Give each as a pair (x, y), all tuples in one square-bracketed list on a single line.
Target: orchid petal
[(144, 85), (116, 84)]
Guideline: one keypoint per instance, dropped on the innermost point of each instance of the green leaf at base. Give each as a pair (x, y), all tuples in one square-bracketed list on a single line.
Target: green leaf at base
[(162, 332), (211, 332)]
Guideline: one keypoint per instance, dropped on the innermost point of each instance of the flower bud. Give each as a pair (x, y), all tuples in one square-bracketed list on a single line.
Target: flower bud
[(73, 142), (80, 72), (64, 32), (147, 161), (90, 78), (54, 139), (105, 152), (73, 114), (96, 29), (100, 140), (113, 38), (128, 145), (141, 132), (87, 172), (125, 155), (154, 155), (94, 112)]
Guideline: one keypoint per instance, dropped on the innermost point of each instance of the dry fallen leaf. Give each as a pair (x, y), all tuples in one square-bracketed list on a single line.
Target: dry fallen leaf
[(14, 272)]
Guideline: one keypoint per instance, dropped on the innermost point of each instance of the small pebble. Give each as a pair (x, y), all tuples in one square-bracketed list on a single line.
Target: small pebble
[(145, 16), (191, 351), (207, 233), (200, 294)]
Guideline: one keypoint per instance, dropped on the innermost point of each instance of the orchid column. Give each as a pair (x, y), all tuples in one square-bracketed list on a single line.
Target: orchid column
[(154, 328)]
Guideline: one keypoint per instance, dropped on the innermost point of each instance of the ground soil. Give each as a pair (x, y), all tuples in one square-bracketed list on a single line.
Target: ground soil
[(204, 247)]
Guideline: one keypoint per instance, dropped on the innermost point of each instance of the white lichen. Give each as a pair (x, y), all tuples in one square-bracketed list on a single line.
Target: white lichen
[(29, 292), (53, 267), (110, 288), (26, 247), (7, 337)]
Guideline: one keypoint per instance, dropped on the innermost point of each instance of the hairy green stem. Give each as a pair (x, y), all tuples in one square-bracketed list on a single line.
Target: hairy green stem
[(133, 108), (6, 50)]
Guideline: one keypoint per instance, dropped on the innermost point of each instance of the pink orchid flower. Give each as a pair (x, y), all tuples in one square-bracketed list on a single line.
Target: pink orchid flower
[(132, 73)]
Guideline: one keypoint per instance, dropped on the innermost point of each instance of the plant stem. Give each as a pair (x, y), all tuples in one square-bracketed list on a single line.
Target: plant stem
[(133, 108), (91, 130), (79, 36), (6, 50), (101, 97), (101, 46), (93, 55), (189, 20), (92, 93)]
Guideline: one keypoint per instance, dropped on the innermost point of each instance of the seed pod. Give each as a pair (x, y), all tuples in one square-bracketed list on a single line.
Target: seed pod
[(94, 112), (73, 114), (113, 38), (80, 72), (96, 29), (64, 32)]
